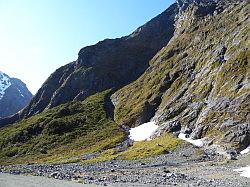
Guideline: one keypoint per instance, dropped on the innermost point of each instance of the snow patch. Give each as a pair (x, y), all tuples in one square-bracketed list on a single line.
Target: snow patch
[(143, 132), (20, 93), (198, 142), (4, 84), (245, 151), (244, 172)]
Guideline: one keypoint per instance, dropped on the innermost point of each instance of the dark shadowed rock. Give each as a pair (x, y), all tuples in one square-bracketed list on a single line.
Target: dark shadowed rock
[(111, 63), (168, 127)]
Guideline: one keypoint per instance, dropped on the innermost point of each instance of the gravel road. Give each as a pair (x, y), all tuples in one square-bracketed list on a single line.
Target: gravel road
[(8, 180)]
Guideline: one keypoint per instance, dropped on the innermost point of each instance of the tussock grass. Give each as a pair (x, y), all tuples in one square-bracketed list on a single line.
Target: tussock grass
[(62, 132), (142, 149)]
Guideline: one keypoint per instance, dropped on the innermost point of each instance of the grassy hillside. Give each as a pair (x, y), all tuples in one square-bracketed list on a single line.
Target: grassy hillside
[(142, 149), (64, 133), (67, 130)]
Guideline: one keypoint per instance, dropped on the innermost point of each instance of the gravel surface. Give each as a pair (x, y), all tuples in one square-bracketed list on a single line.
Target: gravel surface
[(185, 167), (7, 180)]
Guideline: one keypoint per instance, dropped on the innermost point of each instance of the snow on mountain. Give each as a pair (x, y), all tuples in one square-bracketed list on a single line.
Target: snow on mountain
[(198, 142), (4, 83), (14, 95), (143, 132)]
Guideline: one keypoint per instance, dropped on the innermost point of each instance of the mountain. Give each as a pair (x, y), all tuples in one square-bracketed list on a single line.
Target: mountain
[(186, 70), (200, 81), (111, 63), (14, 95)]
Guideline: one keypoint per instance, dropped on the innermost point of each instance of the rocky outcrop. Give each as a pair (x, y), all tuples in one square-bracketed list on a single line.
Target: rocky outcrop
[(111, 63), (200, 80), (14, 95)]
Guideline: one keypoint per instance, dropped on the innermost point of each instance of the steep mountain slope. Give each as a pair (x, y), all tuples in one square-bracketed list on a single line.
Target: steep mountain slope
[(198, 84), (14, 95), (200, 81), (111, 63)]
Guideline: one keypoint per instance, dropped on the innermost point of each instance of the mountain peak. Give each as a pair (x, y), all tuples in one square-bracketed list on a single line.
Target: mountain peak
[(183, 4), (4, 83), (14, 95)]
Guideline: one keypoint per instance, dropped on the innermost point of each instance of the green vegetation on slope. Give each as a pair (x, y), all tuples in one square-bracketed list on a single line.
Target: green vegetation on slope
[(200, 80), (200, 65), (232, 74), (142, 149), (157, 146), (62, 132)]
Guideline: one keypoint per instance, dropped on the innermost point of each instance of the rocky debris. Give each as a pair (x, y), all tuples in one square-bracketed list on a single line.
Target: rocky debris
[(124, 145), (186, 165)]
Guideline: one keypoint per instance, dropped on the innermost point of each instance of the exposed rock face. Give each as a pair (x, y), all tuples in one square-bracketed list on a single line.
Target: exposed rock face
[(184, 4), (111, 63), (14, 95), (200, 80)]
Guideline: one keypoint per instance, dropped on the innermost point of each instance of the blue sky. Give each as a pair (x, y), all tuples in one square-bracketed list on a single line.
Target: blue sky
[(39, 36)]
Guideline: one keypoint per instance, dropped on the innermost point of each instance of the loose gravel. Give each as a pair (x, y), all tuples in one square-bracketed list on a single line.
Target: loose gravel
[(184, 167)]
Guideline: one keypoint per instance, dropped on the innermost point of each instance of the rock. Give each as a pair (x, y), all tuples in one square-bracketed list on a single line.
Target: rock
[(197, 132), (231, 155), (239, 134), (166, 171), (187, 131), (172, 126), (54, 175)]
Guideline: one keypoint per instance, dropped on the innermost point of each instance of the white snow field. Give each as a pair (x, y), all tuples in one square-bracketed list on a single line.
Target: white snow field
[(198, 142), (143, 132), (245, 151)]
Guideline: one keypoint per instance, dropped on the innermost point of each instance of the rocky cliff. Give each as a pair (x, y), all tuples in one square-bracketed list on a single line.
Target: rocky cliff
[(199, 83), (14, 95)]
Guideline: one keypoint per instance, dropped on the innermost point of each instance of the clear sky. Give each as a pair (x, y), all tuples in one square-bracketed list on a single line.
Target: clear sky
[(39, 36)]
